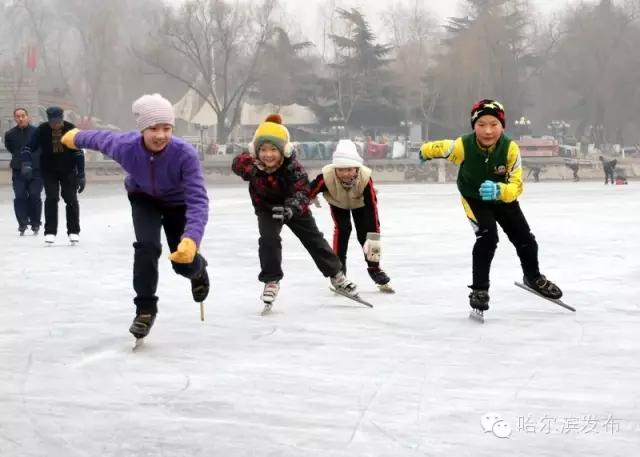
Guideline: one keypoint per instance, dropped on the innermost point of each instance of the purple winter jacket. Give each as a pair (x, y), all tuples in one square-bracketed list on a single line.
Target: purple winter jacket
[(173, 176)]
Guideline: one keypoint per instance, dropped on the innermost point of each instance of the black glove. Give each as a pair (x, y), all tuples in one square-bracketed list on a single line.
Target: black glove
[(26, 171), (282, 213), (81, 182)]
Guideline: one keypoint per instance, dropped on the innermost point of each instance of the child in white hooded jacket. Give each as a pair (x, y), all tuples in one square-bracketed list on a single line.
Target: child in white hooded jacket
[(348, 188)]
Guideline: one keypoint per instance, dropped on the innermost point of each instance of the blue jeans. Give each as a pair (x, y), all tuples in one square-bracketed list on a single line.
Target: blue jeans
[(27, 203)]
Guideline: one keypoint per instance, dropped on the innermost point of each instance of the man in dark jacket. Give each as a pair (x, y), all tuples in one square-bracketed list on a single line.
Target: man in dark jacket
[(609, 167), (62, 172), (27, 203)]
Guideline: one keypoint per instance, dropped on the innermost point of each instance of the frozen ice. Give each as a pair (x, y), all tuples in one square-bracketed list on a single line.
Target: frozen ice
[(322, 375)]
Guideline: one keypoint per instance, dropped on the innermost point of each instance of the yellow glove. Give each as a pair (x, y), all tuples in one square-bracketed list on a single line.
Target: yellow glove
[(69, 138), (186, 251), (434, 149)]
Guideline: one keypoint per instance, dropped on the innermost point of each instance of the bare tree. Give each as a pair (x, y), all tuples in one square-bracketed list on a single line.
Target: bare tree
[(489, 54), (218, 45), (96, 28), (414, 35), (592, 76)]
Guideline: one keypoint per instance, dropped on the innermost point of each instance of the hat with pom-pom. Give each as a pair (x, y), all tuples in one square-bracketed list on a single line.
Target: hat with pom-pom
[(272, 131), (487, 107)]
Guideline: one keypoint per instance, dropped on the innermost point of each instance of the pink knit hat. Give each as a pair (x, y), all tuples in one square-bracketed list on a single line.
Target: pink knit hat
[(150, 110)]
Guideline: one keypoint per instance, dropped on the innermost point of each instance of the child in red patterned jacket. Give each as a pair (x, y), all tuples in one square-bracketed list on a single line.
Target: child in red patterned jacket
[(279, 189)]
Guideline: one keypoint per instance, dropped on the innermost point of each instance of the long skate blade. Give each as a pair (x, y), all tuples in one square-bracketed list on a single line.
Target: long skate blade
[(137, 344), (352, 297), (386, 288), (201, 311), (477, 315), (557, 301)]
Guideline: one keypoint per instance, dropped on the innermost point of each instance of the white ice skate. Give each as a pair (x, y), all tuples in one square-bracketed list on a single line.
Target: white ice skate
[(49, 239), (269, 295), (74, 238)]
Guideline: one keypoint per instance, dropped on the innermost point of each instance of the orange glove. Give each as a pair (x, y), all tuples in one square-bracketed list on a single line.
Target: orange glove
[(69, 138), (186, 251)]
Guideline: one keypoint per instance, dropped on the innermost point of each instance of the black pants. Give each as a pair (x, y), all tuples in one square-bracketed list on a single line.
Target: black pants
[(27, 203), (58, 183), (149, 217), (609, 174), (483, 217), (303, 227), (365, 220)]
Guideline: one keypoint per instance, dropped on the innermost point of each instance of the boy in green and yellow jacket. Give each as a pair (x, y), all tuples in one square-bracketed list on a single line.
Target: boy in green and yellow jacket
[(490, 181)]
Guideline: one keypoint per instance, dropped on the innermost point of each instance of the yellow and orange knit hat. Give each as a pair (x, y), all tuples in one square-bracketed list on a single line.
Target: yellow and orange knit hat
[(272, 131)]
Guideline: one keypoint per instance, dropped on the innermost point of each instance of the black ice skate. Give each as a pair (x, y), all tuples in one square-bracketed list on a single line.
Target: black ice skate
[(479, 302), (200, 287), (22, 229), (543, 286), (381, 279), (141, 325), (35, 229)]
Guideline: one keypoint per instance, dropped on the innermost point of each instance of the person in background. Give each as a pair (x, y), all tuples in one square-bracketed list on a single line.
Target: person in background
[(62, 170), (27, 187)]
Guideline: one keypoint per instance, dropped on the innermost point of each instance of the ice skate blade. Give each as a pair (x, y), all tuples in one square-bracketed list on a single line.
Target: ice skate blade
[(557, 301), (476, 315), (352, 297), (268, 306), (137, 344)]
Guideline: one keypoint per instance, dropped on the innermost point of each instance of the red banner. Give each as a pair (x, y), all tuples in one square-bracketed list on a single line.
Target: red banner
[(31, 58)]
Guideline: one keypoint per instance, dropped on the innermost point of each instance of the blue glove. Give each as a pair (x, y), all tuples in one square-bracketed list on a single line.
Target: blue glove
[(26, 170), (489, 190)]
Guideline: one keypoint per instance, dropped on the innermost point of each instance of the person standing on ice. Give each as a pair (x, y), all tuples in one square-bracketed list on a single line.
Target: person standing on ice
[(166, 189), (27, 188), (348, 188), (490, 181), (279, 190), (62, 170), (609, 167)]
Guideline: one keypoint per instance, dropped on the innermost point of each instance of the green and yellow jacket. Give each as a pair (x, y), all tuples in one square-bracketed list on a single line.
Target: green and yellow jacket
[(500, 163)]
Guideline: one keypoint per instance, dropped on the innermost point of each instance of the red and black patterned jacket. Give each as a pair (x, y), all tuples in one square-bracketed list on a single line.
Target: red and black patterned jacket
[(287, 186)]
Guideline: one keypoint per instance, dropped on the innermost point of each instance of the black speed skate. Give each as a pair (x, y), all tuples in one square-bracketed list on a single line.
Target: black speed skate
[(479, 302), (543, 286), (200, 287), (141, 325), (381, 279)]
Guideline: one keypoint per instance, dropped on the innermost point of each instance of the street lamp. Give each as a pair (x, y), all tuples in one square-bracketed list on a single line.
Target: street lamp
[(523, 125), (338, 123), (406, 125), (559, 129)]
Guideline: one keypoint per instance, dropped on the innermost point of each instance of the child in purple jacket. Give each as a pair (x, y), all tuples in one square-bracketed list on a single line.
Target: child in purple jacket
[(166, 189)]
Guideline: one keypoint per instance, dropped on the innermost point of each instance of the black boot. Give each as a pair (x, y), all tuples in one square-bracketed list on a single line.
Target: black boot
[(479, 299), (543, 286), (142, 324), (200, 287), (378, 276), (22, 229)]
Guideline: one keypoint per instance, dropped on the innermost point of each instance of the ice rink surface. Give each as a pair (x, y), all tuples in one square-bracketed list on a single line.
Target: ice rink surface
[(322, 375)]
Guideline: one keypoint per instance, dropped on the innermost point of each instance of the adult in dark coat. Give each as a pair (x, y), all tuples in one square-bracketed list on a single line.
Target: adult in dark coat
[(27, 203), (62, 173)]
